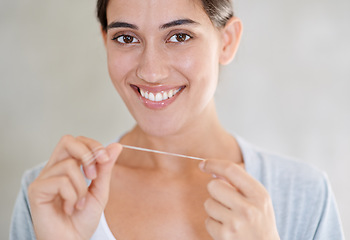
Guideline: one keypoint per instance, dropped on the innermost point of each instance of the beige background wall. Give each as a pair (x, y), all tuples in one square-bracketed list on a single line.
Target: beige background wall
[(287, 90)]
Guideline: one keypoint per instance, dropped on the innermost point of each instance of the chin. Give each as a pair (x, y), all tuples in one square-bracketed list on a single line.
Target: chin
[(160, 128)]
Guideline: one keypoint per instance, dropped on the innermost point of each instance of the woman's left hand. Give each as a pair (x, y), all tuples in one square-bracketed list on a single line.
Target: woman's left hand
[(239, 206)]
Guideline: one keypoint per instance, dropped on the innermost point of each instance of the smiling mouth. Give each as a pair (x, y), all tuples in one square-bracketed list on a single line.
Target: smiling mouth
[(158, 96)]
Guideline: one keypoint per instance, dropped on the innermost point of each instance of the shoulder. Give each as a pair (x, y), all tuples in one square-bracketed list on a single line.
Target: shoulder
[(290, 170), (301, 194), (290, 181), (275, 169), (31, 174), (21, 222), (285, 177)]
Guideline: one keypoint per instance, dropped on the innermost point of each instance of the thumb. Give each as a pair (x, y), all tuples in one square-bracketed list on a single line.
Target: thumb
[(99, 187), (113, 150)]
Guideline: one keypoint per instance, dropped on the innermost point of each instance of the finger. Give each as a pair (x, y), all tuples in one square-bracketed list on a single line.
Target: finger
[(71, 169), (225, 194), (216, 210), (90, 171), (98, 151), (97, 154), (70, 147), (81, 148), (46, 191), (235, 174), (214, 228), (100, 186)]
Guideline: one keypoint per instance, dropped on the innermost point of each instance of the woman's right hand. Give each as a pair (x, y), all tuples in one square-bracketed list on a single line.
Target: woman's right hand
[(62, 205)]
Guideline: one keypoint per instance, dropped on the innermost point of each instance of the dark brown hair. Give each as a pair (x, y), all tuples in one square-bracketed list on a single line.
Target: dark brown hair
[(219, 11)]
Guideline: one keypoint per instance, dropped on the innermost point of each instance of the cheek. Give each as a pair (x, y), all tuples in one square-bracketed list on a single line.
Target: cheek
[(119, 67), (200, 67)]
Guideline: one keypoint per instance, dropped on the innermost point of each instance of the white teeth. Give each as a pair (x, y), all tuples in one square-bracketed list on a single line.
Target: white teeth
[(151, 96), (170, 93), (160, 96)]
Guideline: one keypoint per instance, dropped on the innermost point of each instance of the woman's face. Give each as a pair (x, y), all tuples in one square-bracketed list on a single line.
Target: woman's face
[(163, 59)]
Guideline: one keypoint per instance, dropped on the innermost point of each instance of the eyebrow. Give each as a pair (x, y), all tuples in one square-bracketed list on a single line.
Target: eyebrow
[(174, 23), (185, 21), (122, 25)]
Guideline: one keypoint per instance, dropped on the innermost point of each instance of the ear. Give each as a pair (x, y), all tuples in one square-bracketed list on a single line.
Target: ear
[(104, 35), (231, 36)]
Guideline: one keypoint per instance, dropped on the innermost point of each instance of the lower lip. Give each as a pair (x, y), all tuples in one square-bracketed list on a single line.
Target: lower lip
[(157, 105)]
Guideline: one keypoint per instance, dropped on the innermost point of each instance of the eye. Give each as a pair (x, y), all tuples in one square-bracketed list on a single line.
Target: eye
[(125, 39), (179, 37)]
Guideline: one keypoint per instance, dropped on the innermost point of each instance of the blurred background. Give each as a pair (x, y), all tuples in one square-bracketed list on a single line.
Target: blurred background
[(286, 91)]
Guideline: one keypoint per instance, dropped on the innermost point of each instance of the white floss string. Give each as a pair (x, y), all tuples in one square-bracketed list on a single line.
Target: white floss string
[(161, 152), (91, 156)]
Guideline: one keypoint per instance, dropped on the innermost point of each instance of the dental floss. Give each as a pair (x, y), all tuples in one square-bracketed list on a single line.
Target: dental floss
[(161, 152), (91, 156)]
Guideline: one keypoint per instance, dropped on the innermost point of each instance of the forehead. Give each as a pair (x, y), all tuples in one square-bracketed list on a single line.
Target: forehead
[(155, 11)]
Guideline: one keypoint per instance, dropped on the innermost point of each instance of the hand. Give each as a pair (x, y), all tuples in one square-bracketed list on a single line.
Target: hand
[(239, 208), (62, 205)]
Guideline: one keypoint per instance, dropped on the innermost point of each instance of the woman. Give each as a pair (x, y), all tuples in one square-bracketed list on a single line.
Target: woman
[(163, 59)]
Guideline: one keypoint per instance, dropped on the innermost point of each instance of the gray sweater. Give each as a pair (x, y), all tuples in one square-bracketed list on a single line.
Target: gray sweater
[(302, 198)]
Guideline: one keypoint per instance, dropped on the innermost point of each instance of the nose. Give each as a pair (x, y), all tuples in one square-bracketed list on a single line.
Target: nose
[(153, 64)]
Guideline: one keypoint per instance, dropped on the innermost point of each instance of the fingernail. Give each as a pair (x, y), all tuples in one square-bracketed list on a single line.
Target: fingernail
[(102, 156), (81, 203), (202, 165), (91, 172), (69, 210)]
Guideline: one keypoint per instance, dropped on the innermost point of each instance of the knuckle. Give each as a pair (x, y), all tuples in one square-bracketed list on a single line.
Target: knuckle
[(265, 200), (66, 139), (64, 181), (212, 186), (265, 197), (233, 226), (81, 138), (71, 165), (227, 232), (32, 189), (230, 169), (73, 171), (208, 203), (82, 189), (67, 188), (250, 213)]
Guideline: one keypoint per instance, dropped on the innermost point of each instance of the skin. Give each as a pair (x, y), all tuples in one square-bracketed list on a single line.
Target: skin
[(152, 196)]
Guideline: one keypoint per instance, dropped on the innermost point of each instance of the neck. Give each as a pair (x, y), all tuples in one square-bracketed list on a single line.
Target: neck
[(204, 138)]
